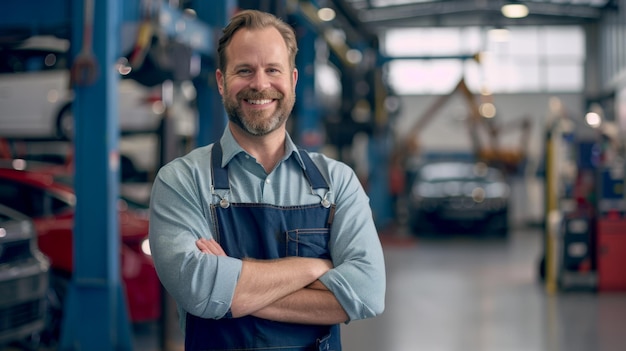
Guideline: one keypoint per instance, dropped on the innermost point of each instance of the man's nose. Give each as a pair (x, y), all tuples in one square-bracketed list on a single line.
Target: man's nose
[(260, 81)]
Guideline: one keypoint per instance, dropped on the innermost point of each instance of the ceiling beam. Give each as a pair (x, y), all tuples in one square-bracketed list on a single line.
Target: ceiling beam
[(424, 13), (351, 17)]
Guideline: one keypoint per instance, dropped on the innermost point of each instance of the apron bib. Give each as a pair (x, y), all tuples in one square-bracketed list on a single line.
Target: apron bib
[(264, 231)]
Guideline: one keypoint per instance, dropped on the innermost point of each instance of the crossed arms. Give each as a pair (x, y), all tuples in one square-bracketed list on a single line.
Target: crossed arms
[(284, 290)]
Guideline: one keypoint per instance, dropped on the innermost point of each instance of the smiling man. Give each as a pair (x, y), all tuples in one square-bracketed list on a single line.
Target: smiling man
[(258, 86), (261, 244)]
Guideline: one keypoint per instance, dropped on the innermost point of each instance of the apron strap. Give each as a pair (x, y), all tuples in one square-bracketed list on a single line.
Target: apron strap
[(313, 173), (219, 174)]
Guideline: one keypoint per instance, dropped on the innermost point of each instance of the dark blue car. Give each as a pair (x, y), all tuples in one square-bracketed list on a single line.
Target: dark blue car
[(459, 196)]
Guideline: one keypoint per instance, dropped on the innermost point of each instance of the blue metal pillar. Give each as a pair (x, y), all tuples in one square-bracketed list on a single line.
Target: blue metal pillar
[(211, 115), (95, 315), (379, 149), (307, 131)]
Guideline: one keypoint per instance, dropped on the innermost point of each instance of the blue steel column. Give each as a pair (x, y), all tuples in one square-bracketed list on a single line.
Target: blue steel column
[(95, 315), (211, 115), (307, 131)]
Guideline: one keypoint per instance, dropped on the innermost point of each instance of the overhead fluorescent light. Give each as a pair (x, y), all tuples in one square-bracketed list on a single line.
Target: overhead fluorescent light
[(499, 34), (514, 10)]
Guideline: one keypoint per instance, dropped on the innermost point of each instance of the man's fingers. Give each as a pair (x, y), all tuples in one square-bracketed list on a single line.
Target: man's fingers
[(202, 245), (210, 246), (216, 248)]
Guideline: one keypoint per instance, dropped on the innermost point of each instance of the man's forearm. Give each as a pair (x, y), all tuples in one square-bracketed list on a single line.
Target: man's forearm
[(310, 305), (262, 283)]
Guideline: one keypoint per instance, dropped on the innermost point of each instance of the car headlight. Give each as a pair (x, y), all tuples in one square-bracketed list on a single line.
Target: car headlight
[(478, 194), (428, 190), (497, 190), (145, 247)]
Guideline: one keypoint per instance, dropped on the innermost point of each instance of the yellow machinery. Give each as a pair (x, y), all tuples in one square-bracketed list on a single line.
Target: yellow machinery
[(494, 154)]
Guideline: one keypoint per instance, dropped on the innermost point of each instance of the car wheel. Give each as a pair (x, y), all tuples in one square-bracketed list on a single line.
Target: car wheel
[(541, 268), (65, 123), (31, 343), (55, 297), (497, 225), (420, 224)]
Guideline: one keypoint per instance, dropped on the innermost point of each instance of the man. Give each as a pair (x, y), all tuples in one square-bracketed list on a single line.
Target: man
[(262, 245)]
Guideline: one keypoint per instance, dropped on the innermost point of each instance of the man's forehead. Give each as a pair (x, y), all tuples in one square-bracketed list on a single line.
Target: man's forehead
[(252, 34), (251, 45)]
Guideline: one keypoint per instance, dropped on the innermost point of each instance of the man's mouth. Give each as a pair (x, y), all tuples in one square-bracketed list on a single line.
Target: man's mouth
[(259, 102)]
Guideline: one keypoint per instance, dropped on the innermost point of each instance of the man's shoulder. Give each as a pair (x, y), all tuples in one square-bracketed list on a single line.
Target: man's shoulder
[(196, 158), (318, 157), (328, 164), (199, 154)]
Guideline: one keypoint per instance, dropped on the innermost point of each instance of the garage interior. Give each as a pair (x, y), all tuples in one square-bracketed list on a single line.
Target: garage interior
[(388, 87)]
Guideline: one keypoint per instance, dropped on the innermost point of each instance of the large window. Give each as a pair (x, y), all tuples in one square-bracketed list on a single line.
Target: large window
[(520, 59)]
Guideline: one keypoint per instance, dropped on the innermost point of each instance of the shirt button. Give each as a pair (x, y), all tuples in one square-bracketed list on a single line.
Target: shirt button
[(267, 181)]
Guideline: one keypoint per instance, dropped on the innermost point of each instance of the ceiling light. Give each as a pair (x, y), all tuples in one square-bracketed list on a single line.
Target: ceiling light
[(515, 10), (499, 34), (487, 110), (354, 56), (593, 119), (326, 14)]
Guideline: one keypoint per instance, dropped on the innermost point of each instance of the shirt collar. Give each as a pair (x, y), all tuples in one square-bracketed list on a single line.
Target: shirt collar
[(230, 148)]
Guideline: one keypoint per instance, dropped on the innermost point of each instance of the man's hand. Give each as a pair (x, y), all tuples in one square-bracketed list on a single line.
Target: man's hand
[(317, 285), (210, 246)]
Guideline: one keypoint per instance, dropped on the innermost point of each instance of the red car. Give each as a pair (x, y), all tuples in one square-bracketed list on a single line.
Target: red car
[(49, 200)]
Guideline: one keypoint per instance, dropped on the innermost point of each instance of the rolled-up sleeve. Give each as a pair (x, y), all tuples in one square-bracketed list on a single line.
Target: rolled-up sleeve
[(201, 284), (358, 278)]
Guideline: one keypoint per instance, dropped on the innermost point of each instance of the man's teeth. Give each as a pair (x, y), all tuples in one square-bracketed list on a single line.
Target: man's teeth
[(260, 102)]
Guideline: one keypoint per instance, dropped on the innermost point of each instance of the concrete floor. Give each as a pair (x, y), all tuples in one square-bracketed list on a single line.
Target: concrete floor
[(467, 294), (482, 295), (470, 294)]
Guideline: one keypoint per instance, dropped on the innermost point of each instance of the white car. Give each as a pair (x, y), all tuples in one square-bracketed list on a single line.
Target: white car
[(36, 99)]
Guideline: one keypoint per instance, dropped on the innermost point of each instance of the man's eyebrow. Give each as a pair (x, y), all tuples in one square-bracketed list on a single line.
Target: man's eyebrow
[(269, 65), (240, 65), (275, 65)]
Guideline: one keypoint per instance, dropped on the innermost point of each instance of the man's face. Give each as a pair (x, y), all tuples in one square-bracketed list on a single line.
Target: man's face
[(258, 87)]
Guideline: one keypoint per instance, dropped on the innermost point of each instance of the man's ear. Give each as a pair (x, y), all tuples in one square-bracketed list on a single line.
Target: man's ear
[(295, 76), (219, 79)]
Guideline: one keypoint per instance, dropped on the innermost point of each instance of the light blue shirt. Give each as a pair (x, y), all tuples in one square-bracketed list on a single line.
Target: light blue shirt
[(203, 284)]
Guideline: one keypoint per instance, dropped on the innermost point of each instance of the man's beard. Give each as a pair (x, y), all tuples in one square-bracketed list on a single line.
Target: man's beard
[(255, 122)]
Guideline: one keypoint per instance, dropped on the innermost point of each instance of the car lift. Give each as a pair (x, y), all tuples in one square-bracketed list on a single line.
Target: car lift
[(95, 316)]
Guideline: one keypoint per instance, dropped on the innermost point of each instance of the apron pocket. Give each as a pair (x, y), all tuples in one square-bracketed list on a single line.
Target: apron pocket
[(311, 242)]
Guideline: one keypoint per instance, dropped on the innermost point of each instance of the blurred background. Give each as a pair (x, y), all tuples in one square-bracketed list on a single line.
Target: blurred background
[(488, 134)]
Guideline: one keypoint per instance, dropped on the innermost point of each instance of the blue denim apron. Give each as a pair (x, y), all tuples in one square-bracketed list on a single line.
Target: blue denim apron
[(264, 231)]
